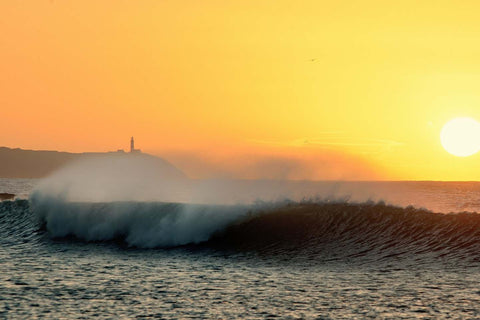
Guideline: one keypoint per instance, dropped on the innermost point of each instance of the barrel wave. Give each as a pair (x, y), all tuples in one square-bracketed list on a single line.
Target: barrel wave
[(324, 230)]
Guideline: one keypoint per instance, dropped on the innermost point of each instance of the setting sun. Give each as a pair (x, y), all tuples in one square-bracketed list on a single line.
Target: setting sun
[(461, 137)]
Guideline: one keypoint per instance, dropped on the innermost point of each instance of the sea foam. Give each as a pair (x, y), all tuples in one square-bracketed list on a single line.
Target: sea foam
[(140, 224)]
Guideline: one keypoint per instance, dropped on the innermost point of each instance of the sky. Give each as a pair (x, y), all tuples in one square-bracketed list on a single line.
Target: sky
[(349, 90)]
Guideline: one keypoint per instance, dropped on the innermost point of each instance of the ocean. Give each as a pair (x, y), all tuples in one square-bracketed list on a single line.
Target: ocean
[(275, 250)]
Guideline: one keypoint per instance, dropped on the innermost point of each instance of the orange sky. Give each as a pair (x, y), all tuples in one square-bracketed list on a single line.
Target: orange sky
[(252, 89)]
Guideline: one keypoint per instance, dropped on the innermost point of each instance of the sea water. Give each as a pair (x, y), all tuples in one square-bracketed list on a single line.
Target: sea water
[(356, 250)]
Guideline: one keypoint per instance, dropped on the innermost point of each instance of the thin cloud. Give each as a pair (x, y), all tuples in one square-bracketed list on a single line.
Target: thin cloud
[(333, 139)]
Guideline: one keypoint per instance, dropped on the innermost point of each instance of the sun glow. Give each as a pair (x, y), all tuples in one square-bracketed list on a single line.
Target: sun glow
[(461, 137)]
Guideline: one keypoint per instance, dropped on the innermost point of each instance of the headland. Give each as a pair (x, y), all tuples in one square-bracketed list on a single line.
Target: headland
[(20, 163)]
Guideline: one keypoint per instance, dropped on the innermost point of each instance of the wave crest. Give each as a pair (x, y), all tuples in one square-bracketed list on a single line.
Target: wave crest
[(327, 229), (140, 224)]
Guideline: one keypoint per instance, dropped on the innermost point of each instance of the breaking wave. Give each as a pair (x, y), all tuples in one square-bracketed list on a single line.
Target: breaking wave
[(327, 229), (139, 224)]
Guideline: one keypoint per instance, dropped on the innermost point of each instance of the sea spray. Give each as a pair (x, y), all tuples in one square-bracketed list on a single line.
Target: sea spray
[(135, 177), (128, 197), (113, 177), (139, 224), (131, 198)]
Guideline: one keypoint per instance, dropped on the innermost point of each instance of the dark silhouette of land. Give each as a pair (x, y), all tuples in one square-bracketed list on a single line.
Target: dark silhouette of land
[(19, 163)]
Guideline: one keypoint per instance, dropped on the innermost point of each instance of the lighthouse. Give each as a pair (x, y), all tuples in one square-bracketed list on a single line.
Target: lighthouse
[(132, 146)]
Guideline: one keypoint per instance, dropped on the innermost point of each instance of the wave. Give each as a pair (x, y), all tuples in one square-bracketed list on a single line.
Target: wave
[(328, 229), (356, 230), (139, 224)]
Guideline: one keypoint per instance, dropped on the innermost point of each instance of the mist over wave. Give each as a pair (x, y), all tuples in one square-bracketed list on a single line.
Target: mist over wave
[(114, 177), (134, 200), (138, 177)]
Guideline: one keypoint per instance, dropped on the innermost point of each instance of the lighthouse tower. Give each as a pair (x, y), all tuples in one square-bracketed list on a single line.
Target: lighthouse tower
[(132, 147)]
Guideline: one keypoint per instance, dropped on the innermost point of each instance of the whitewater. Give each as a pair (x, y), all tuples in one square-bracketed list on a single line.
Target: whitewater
[(96, 244)]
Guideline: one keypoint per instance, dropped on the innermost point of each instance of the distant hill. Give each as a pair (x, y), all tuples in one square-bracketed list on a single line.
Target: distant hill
[(19, 163)]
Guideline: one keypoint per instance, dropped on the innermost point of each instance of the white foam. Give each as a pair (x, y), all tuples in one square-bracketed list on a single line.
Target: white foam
[(140, 224)]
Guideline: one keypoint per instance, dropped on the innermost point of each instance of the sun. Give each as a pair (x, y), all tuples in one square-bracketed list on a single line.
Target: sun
[(461, 137)]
